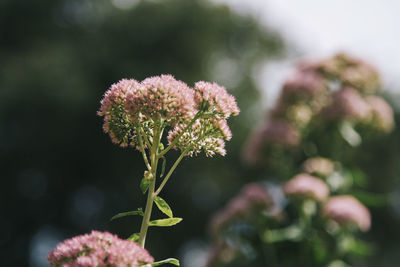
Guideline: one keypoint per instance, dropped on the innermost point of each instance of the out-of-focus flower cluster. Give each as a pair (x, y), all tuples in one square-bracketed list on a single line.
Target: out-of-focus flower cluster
[(252, 198), (335, 90), (99, 249), (316, 205), (197, 116)]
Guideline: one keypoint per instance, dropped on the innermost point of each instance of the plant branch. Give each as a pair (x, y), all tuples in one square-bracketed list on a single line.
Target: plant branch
[(165, 180), (173, 143), (146, 161)]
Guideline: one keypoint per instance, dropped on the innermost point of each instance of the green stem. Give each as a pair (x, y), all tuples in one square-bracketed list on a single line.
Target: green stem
[(173, 143), (150, 194), (165, 180), (146, 161)]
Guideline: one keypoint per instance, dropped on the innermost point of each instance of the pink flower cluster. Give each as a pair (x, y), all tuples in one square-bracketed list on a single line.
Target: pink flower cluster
[(211, 97), (252, 197), (198, 117), (99, 249), (340, 88), (348, 210), (116, 122), (305, 185), (273, 132), (161, 98)]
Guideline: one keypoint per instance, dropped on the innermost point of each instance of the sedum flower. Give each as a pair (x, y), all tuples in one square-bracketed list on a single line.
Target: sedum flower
[(197, 117), (348, 210), (161, 98), (273, 132), (319, 166), (252, 197), (99, 249), (210, 131), (352, 72), (117, 122), (383, 118), (214, 99), (305, 185), (348, 104)]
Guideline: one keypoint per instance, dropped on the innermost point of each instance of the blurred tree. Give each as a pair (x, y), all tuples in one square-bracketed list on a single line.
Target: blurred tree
[(61, 176)]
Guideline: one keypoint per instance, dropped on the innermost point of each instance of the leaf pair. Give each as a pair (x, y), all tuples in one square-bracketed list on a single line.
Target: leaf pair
[(166, 209)]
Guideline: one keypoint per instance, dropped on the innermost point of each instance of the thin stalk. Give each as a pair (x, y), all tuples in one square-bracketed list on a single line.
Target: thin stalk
[(165, 180), (198, 115), (146, 161), (150, 194)]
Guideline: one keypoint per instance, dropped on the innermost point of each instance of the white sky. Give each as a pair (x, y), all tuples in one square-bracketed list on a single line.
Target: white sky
[(366, 28)]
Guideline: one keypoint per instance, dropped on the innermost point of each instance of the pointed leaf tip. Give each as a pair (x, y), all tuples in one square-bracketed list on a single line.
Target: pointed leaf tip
[(169, 260), (139, 212), (165, 222), (163, 206)]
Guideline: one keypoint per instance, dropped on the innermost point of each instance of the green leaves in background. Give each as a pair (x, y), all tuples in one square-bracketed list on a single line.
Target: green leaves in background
[(165, 222), (139, 211), (163, 206), (169, 260)]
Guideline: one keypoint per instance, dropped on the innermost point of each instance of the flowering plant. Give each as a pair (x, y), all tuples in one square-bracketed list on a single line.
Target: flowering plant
[(138, 114), (311, 138)]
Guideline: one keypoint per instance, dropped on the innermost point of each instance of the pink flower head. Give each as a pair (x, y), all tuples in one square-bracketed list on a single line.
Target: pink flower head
[(307, 186), (383, 118), (305, 85), (205, 134), (161, 97), (273, 132), (319, 166), (348, 210), (213, 97), (252, 197), (348, 104), (352, 72), (116, 122), (99, 249)]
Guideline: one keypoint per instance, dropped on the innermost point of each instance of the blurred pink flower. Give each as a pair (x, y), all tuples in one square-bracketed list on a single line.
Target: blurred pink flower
[(348, 210), (252, 197), (306, 185), (99, 249), (383, 117), (304, 85), (348, 104), (274, 132), (319, 166)]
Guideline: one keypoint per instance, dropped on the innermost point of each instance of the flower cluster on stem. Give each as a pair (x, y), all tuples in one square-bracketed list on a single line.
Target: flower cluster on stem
[(138, 114)]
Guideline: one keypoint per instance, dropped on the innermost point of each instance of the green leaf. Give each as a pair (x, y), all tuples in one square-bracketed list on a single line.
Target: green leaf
[(163, 206), (139, 211), (144, 185), (169, 260), (165, 222), (134, 237)]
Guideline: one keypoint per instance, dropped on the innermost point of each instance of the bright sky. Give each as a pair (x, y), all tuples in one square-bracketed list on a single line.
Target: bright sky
[(366, 28)]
